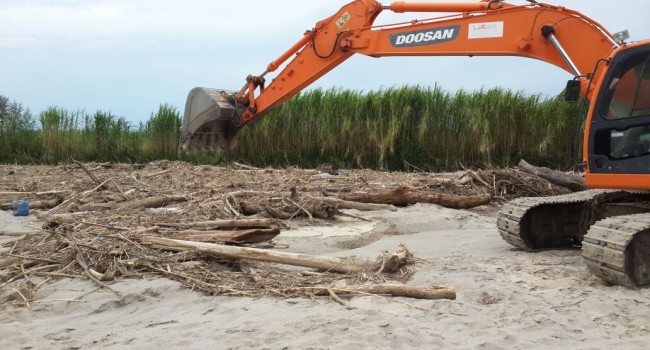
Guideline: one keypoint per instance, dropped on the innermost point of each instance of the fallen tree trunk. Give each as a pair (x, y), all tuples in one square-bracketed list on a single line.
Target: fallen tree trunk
[(334, 264), (312, 207), (403, 196), (397, 290), (235, 237), (571, 181), (230, 224), (151, 202)]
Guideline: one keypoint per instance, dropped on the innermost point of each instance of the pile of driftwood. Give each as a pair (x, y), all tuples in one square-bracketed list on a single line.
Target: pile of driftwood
[(212, 227)]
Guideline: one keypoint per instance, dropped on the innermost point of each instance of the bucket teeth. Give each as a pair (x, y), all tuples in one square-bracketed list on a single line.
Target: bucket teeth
[(211, 120)]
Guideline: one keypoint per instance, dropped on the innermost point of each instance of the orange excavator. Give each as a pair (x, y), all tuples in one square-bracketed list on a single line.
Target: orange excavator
[(611, 221)]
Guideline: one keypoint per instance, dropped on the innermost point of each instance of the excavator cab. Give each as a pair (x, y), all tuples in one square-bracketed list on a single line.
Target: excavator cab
[(618, 143)]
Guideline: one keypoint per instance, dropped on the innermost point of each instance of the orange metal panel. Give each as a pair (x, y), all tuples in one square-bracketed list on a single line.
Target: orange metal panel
[(618, 181)]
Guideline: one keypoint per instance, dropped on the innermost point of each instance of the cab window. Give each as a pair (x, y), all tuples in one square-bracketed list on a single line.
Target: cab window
[(628, 91)]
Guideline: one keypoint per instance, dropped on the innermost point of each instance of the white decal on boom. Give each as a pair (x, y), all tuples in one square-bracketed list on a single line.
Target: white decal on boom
[(425, 37), (485, 30)]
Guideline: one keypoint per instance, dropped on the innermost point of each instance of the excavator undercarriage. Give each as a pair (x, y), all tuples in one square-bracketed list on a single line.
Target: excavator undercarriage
[(612, 226)]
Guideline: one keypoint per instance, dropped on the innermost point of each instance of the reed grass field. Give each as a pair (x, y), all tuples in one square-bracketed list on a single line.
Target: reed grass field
[(401, 128)]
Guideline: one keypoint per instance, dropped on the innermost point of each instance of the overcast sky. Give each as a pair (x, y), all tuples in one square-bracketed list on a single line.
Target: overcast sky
[(129, 56)]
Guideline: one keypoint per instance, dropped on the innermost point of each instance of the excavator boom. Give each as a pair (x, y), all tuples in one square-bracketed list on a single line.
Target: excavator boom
[(562, 37)]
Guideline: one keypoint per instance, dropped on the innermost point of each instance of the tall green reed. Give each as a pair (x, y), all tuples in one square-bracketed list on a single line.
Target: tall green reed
[(425, 127), (392, 128), (18, 139)]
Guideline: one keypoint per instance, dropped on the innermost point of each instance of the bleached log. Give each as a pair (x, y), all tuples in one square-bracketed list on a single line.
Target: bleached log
[(151, 202), (347, 204), (403, 196), (158, 173), (334, 264), (244, 166), (397, 290), (571, 181)]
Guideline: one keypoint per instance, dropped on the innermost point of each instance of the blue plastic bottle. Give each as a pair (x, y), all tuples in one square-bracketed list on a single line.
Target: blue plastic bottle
[(21, 208)]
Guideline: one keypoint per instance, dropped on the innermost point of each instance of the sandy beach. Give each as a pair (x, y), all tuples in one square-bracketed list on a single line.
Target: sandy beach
[(507, 299)]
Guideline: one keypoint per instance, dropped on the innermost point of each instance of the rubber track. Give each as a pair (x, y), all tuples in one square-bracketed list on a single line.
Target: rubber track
[(605, 249), (511, 214)]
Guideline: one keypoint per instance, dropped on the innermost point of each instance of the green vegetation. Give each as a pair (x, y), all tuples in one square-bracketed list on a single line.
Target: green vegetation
[(63, 135), (391, 129), (425, 127)]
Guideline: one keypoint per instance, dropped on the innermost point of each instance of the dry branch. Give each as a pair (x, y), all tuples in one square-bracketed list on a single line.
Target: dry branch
[(245, 167), (83, 194), (402, 196), (80, 165), (158, 173)]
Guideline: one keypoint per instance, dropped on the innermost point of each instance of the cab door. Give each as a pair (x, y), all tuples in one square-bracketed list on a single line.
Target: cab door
[(618, 148)]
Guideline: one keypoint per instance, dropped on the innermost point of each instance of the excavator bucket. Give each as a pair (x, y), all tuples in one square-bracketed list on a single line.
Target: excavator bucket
[(210, 122)]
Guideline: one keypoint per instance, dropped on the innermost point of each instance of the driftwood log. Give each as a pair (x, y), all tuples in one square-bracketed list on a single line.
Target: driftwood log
[(333, 264), (312, 208), (234, 237), (571, 181), (151, 202), (402, 196), (397, 290), (225, 224), (345, 204)]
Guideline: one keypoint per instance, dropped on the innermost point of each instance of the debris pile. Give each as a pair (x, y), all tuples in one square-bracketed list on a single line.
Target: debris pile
[(204, 225)]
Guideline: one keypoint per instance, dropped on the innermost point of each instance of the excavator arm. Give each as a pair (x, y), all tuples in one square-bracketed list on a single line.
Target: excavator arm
[(554, 34)]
